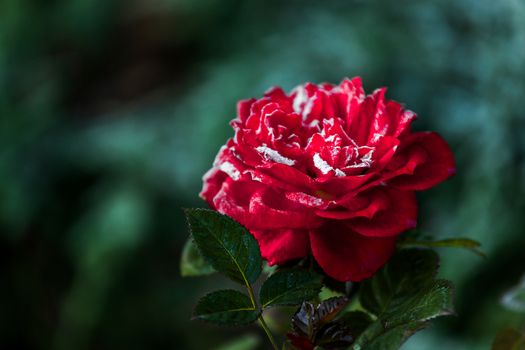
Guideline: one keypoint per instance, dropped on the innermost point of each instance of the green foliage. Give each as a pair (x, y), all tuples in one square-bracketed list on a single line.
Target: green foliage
[(404, 295), (463, 243), (192, 263), (289, 287), (231, 249), (393, 338), (226, 307), (225, 244), (393, 288), (402, 301)]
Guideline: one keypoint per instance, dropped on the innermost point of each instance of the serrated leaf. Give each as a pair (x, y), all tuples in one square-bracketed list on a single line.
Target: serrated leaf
[(405, 289), (226, 307), (509, 339), (434, 302), (225, 244), (192, 263), (391, 339), (408, 273), (404, 295), (289, 287)]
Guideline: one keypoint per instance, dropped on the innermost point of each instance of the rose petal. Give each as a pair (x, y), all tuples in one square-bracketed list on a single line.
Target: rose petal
[(243, 109), (276, 94), (259, 208), (437, 165), (398, 215), (346, 255), (371, 109), (307, 200), (272, 210), (402, 116), (292, 178), (279, 246), (345, 185), (234, 198), (213, 181), (384, 151), (365, 204), (351, 98)]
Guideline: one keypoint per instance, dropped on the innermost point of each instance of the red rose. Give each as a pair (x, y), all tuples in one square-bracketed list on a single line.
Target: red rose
[(328, 171)]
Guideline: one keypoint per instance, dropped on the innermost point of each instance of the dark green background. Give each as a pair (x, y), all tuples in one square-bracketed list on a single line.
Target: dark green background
[(111, 111)]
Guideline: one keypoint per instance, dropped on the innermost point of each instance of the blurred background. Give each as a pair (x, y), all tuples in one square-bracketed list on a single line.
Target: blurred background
[(111, 111)]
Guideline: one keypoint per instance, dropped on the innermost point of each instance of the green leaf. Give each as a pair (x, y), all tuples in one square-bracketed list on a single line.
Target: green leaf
[(290, 287), (464, 243), (407, 272), (225, 244), (393, 338), (226, 307), (434, 302), (404, 295), (509, 339), (192, 263)]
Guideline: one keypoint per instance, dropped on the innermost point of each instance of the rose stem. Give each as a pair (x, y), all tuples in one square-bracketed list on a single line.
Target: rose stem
[(268, 332), (261, 318)]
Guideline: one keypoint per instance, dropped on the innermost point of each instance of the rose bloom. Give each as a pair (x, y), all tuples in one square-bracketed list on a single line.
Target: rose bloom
[(326, 170)]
